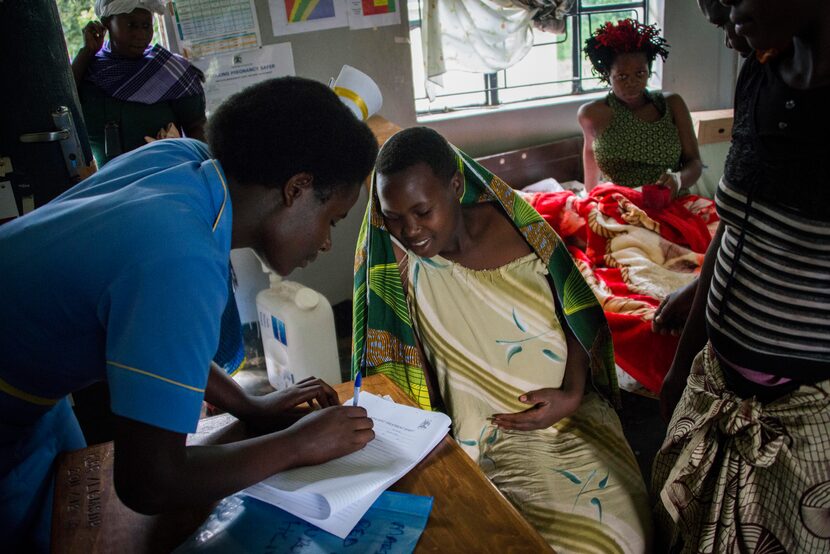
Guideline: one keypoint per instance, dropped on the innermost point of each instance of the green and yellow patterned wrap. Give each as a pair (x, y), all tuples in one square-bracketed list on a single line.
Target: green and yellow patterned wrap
[(383, 339)]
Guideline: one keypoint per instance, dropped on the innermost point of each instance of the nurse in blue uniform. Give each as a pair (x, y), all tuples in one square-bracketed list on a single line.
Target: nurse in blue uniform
[(124, 279)]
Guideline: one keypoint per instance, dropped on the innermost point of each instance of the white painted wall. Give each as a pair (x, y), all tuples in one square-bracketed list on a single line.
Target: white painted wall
[(699, 68)]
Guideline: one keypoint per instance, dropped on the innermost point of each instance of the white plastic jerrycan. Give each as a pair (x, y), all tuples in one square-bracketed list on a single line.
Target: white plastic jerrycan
[(297, 328)]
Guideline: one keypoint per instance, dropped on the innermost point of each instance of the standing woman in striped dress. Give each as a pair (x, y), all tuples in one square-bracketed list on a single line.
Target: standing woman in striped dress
[(746, 461)]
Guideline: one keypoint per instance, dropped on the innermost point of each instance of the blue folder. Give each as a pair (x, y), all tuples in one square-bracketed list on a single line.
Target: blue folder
[(240, 523)]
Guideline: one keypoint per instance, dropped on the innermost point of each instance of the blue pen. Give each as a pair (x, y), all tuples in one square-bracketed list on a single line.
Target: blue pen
[(356, 389)]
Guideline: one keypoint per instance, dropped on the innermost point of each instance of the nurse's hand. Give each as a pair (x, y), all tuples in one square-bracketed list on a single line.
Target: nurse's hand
[(547, 407), (280, 409), (329, 433)]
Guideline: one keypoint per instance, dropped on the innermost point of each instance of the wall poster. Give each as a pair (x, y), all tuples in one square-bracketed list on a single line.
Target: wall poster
[(206, 27), (301, 16)]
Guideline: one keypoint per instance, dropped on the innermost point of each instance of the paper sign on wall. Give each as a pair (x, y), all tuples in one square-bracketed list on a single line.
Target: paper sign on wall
[(364, 14), (207, 27), (230, 73), (301, 16)]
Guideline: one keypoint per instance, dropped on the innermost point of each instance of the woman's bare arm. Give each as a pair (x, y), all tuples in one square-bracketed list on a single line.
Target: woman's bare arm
[(593, 120), (156, 472), (690, 164), (694, 335), (93, 41)]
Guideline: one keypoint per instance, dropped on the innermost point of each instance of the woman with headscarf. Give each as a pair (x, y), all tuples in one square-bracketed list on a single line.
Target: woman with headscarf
[(455, 262), (645, 234), (633, 136), (130, 91)]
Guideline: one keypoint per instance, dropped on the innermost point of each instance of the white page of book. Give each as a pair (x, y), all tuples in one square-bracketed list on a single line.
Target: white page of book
[(340, 523), (336, 494)]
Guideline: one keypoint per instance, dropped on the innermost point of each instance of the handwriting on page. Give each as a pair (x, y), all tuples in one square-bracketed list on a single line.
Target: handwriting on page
[(334, 495), (400, 436)]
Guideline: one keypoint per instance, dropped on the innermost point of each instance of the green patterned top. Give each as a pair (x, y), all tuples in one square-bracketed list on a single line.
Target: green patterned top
[(632, 152)]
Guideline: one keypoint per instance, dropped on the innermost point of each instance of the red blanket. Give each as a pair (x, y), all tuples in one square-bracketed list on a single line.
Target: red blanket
[(632, 258)]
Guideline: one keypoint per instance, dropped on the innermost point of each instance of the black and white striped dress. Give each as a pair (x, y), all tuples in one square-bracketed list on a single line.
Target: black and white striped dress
[(775, 315), (769, 302)]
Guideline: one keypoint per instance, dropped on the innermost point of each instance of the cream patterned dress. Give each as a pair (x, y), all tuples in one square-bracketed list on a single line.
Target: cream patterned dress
[(492, 335)]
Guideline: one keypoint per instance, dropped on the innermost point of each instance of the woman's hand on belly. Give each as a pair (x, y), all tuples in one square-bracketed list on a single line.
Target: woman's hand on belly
[(547, 407)]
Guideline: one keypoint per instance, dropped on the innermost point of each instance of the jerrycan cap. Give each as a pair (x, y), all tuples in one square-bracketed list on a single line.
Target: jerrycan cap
[(306, 299), (274, 278)]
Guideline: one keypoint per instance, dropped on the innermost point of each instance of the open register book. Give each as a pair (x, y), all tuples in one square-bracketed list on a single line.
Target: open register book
[(336, 494)]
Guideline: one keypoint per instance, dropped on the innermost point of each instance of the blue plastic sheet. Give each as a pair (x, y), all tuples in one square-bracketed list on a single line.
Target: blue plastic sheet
[(240, 523)]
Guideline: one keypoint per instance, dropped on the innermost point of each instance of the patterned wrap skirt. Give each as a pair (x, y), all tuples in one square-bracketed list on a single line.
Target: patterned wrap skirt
[(737, 475)]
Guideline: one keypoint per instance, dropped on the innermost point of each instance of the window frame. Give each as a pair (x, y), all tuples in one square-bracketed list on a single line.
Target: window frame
[(490, 86)]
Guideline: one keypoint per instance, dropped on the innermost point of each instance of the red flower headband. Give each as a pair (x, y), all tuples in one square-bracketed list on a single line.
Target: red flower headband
[(627, 35)]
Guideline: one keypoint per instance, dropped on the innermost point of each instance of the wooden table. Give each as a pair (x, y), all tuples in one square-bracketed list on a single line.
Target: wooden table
[(468, 513), (382, 128)]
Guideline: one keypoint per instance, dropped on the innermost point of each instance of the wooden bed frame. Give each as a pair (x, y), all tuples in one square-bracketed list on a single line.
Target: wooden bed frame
[(561, 160)]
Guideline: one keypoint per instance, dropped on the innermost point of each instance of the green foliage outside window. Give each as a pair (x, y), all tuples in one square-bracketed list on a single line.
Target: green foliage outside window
[(75, 14)]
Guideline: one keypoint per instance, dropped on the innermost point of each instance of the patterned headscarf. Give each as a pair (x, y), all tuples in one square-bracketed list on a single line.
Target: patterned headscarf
[(107, 8), (627, 35), (383, 337)]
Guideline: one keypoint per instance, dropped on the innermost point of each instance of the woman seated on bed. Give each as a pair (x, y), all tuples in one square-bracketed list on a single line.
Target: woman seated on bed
[(457, 273), (635, 137)]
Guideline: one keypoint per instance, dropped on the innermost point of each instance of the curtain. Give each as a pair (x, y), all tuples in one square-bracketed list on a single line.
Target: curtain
[(482, 36)]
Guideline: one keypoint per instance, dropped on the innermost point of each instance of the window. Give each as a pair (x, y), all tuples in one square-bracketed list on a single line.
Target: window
[(554, 67)]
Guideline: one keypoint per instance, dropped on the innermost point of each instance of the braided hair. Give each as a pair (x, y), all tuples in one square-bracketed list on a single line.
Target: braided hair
[(627, 35)]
